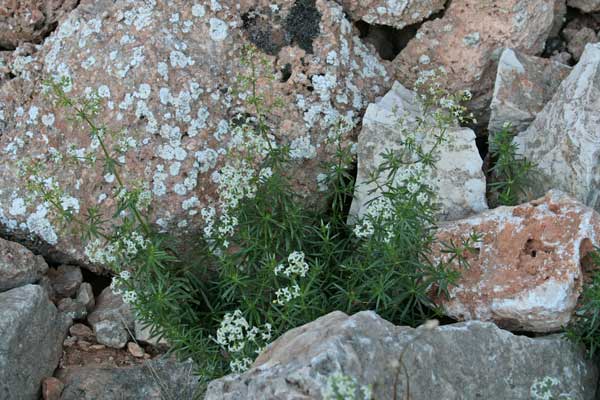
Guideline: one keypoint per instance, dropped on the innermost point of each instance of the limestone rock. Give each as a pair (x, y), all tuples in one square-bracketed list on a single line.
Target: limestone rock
[(31, 337), (459, 178), (66, 280), (524, 84), (19, 266), (459, 361), (526, 272), (564, 139), (167, 74), (585, 5), (112, 319), (30, 20), (397, 14), (153, 380), (468, 39)]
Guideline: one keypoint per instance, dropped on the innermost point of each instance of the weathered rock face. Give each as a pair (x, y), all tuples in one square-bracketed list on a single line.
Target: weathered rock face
[(166, 72), (30, 20), (112, 319), (457, 358), (579, 39), (397, 14), (526, 274), (154, 380), (19, 266), (31, 337), (66, 280), (524, 84), (564, 139), (585, 5), (458, 176), (468, 40)]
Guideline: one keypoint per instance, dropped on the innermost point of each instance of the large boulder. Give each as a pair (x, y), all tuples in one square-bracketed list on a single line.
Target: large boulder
[(397, 14), (30, 20), (524, 84), (468, 39), (31, 337), (457, 179), (473, 360), (112, 319), (19, 266), (167, 73), (564, 139), (526, 273), (154, 380)]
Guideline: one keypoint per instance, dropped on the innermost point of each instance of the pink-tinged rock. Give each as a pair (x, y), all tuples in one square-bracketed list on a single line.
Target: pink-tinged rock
[(526, 273), (19, 266), (52, 388), (468, 39), (585, 5), (30, 20), (166, 72), (397, 14)]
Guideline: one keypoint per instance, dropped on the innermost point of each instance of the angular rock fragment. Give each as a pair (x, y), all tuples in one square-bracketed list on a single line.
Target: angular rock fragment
[(31, 337), (524, 84), (576, 44), (112, 319), (73, 308), (19, 266), (85, 295), (585, 5), (66, 280), (526, 273), (452, 362), (564, 139), (458, 177), (397, 14)]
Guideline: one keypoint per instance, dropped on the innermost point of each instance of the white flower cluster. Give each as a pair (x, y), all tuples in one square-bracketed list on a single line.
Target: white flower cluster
[(340, 386), (235, 334), (378, 212), (129, 296), (122, 248), (296, 266), (287, 294)]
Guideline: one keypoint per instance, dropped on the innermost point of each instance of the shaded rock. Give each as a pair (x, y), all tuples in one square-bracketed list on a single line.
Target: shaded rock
[(31, 336), (564, 139), (524, 84), (52, 388), (73, 308), (526, 271), (66, 280), (166, 73), (153, 380), (143, 334), (19, 266), (468, 39), (30, 20), (112, 319), (135, 350), (459, 361), (585, 5), (85, 295), (579, 40), (560, 13), (81, 330), (397, 14), (458, 178)]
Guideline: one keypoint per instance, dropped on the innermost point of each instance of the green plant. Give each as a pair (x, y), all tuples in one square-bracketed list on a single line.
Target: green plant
[(511, 174), (266, 261)]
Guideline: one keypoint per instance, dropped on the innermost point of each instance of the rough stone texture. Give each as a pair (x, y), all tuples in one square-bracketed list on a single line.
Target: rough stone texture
[(577, 42), (524, 84), (73, 308), (166, 72), (31, 336), (52, 388), (154, 380), (66, 280), (458, 176), (19, 266), (468, 41), (395, 13), (560, 13), (143, 334), (467, 361), (135, 350), (585, 5), (112, 319), (526, 273), (30, 20), (85, 295), (564, 139)]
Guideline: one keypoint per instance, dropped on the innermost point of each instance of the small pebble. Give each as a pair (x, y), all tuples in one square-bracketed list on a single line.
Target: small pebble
[(135, 350)]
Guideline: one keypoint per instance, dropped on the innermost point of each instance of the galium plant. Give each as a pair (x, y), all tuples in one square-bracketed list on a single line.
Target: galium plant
[(265, 261)]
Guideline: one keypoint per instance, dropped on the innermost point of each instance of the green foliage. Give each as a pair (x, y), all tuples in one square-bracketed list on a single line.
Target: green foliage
[(511, 174), (266, 261)]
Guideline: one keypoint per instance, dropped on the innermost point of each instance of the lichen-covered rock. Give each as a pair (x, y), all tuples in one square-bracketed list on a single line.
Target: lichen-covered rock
[(167, 74), (524, 84), (458, 178), (154, 380), (31, 337), (564, 139), (30, 20), (395, 13), (19, 266), (585, 5), (525, 274), (459, 361), (468, 39), (112, 319)]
